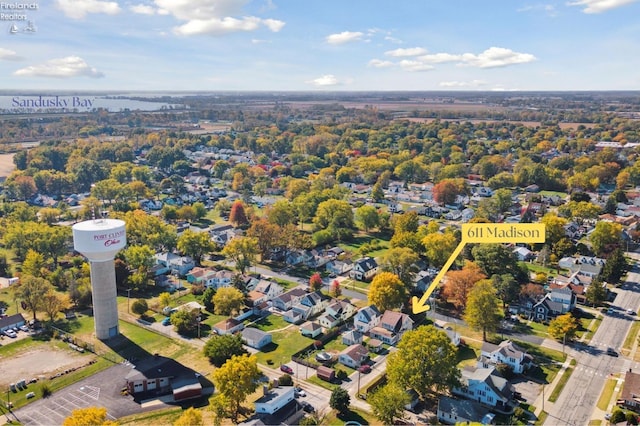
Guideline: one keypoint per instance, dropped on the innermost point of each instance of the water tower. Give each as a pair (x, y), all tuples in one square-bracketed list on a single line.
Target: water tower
[(99, 240)]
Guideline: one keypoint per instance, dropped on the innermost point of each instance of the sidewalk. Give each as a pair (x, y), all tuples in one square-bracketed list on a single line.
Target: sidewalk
[(541, 400)]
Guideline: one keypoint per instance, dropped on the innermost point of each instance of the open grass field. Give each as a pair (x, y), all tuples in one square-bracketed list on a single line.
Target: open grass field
[(285, 343), (6, 164)]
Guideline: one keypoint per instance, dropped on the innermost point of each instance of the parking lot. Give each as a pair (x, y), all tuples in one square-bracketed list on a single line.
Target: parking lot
[(100, 390)]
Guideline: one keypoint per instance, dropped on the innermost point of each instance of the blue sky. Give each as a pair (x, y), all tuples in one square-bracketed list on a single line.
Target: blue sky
[(322, 45)]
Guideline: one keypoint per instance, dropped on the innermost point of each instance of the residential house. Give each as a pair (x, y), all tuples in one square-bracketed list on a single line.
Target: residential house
[(175, 264), (462, 411), (366, 319), (583, 265), (354, 356), (222, 234), (630, 396), (565, 297), (424, 278), (524, 254), (352, 337), (311, 329), (209, 277), (11, 321), (274, 399), (299, 257), (364, 269), (269, 288), (293, 317), (485, 386), (309, 305), (546, 309), (228, 326), (255, 338), (339, 267), (506, 352), (285, 301), (336, 312), (392, 327)]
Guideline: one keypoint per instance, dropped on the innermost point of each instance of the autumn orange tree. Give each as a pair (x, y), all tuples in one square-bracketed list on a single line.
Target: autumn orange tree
[(459, 283), (238, 216), (447, 190), (315, 282)]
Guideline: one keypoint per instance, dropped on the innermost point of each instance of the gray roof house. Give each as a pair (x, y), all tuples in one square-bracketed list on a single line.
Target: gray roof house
[(255, 338), (485, 386)]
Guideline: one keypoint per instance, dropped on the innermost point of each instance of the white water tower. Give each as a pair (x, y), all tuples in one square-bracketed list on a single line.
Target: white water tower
[(99, 240)]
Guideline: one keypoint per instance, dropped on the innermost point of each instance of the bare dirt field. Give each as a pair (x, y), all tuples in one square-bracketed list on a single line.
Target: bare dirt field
[(39, 363), (6, 165)]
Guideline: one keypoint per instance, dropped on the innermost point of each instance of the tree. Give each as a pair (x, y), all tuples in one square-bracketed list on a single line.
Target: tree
[(367, 217), (615, 267), (507, 287), (34, 264), (90, 416), (164, 299), (220, 348), (459, 283), (447, 190), (407, 222), (439, 246), (139, 307), (243, 251), (377, 193), (335, 216), (238, 216), (235, 380), (195, 244), (596, 293), (563, 327), (400, 261), (207, 298), (315, 282), (334, 289), (54, 303), (497, 259), (387, 291), (139, 258), (267, 234), (189, 417), (228, 300), (281, 213), (617, 416), (606, 237), (388, 403), (340, 400), (483, 308), (285, 380), (185, 321), (31, 290), (425, 362)]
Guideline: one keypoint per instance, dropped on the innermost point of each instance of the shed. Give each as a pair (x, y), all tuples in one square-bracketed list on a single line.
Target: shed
[(326, 373)]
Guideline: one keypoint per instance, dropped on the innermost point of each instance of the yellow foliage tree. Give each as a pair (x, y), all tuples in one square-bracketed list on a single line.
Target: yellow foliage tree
[(90, 416), (190, 417)]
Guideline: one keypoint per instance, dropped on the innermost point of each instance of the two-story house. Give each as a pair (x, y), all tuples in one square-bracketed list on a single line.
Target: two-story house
[(269, 289), (336, 312), (366, 319), (175, 264), (309, 305), (506, 352), (364, 269), (485, 386), (391, 328), (285, 301)]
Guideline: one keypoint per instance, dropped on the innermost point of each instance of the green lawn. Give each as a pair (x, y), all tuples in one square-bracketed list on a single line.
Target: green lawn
[(548, 361), (285, 343), (632, 337), (466, 355), (332, 419), (560, 386), (607, 393), (272, 322)]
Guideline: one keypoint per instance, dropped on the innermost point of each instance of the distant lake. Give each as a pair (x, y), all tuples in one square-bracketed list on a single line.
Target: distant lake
[(21, 104)]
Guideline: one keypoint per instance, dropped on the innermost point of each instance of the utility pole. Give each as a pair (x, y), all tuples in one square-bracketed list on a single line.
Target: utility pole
[(128, 300), (358, 392)]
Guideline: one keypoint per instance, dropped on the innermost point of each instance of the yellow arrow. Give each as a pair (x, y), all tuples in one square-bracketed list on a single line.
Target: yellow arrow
[(421, 305), (483, 233)]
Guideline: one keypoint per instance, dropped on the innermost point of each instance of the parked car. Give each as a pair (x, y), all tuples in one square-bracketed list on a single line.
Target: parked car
[(166, 321), (611, 352), (24, 328), (10, 333), (307, 407), (630, 312), (299, 391), (365, 368), (286, 369)]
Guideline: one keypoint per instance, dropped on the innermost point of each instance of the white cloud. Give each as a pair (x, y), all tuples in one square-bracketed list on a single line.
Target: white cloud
[(214, 17), (9, 55), (549, 9), (378, 63), (344, 37), (496, 57), (472, 83), (143, 9), (409, 65), (411, 51), (599, 6), (393, 39), (325, 80), (78, 9), (71, 66), (439, 58)]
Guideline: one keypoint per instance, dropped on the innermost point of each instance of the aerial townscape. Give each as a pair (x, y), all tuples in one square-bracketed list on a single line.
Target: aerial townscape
[(285, 212)]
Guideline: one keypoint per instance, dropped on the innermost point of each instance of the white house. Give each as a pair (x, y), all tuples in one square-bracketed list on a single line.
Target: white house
[(364, 269), (337, 311), (175, 264), (352, 337), (485, 387), (286, 300), (274, 399), (506, 352), (462, 411), (269, 288), (354, 356), (311, 329), (228, 326), (392, 327), (366, 319), (339, 267), (255, 338)]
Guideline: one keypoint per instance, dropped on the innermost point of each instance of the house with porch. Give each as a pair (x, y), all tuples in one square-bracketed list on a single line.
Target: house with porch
[(506, 352), (174, 264), (285, 301), (391, 328), (354, 356), (485, 386), (367, 318), (364, 269), (336, 312)]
